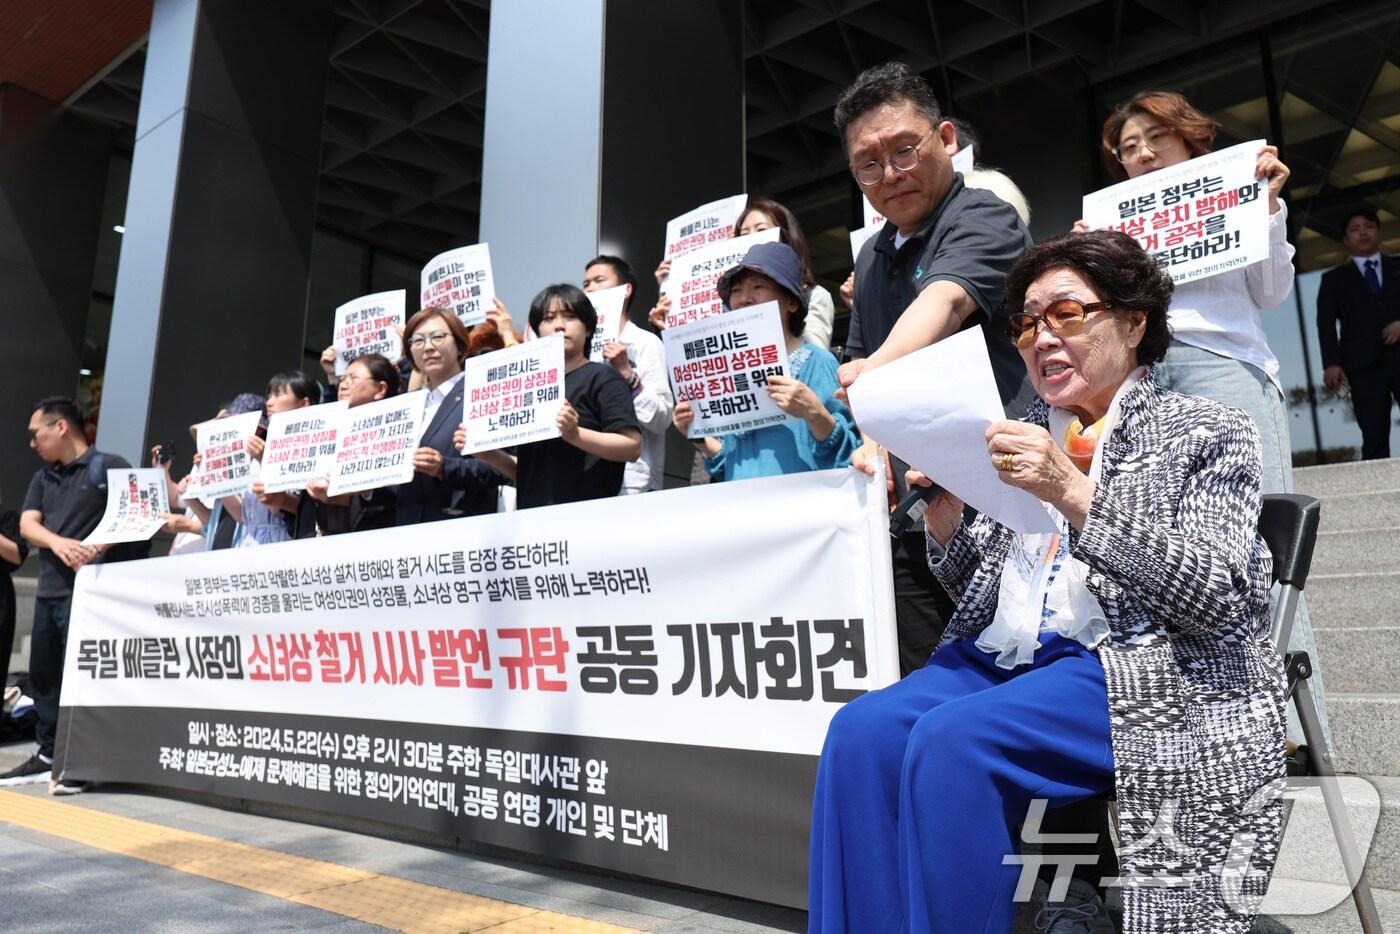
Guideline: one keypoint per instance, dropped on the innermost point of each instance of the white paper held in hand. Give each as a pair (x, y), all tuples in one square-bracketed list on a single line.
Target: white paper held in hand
[(931, 408)]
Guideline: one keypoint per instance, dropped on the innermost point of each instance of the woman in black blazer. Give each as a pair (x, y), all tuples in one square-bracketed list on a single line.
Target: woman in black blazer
[(446, 485)]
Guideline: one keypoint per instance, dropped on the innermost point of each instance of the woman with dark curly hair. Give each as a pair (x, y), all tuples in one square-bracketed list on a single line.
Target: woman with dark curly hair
[(1129, 651)]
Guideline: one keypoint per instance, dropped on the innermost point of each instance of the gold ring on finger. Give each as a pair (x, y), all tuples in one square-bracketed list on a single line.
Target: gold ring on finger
[(1008, 462)]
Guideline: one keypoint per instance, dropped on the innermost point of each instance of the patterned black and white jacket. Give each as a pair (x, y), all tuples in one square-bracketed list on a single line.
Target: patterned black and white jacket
[(1195, 686)]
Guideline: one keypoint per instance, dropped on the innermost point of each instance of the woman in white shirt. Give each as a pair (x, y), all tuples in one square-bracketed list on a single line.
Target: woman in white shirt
[(1218, 349)]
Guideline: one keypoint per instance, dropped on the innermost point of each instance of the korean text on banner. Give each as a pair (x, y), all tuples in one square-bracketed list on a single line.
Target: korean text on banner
[(460, 279), (1197, 218), (300, 446), (368, 325), (931, 408), (513, 396), (136, 497), (709, 223), (532, 680), (691, 283), (225, 469), (608, 304), (375, 443), (721, 367)]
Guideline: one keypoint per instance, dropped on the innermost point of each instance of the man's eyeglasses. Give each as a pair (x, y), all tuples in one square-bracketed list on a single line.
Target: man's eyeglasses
[(437, 339), (1154, 139), (1064, 317), (902, 159)]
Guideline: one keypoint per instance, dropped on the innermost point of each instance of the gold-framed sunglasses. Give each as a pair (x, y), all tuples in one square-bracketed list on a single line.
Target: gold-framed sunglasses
[(1064, 317)]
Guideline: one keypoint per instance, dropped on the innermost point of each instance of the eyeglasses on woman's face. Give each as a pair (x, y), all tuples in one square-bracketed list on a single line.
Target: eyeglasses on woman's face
[(1064, 318), (436, 339)]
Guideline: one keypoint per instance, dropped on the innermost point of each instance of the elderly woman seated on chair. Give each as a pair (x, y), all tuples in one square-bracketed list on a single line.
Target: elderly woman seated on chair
[(1129, 652)]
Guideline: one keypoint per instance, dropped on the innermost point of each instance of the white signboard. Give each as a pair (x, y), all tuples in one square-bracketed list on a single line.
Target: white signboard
[(709, 223), (691, 283), (608, 305), (720, 366), (368, 325), (136, 497), (944, 435), (513, 396), (225, 469), (300, 446), (461, 280), (375, 443), (964, 160), (1197, 218)]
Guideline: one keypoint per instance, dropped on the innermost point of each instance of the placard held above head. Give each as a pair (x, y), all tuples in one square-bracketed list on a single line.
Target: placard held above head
[(513, 396), (369, 324), (461, 280), (708, 223), (1197, 218), (691, 284), (721, 366), (608, 304)]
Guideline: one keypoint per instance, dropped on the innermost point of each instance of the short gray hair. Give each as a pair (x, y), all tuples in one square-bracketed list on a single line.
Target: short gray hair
[(889, 83)]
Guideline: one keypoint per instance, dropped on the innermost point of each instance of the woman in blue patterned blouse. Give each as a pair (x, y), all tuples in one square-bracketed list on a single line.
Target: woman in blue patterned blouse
[(820, 434)]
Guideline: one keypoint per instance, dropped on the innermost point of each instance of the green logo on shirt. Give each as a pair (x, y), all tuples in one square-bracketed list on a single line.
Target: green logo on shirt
[(918, 273)]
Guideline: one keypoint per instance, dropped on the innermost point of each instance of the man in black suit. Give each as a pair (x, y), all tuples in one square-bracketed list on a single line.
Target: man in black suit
[(1363, 296)]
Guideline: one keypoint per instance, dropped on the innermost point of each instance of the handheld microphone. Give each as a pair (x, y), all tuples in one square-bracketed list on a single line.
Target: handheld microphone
[(911, 508)]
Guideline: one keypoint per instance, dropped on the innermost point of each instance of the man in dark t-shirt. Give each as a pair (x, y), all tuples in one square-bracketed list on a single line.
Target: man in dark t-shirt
[(938, 267), (64, 503), (598, 428)]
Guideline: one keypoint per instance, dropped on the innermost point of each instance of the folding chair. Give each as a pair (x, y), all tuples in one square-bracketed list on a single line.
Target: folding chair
[(1288, 523)]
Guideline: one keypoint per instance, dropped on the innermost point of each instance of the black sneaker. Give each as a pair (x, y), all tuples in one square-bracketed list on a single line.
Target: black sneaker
[(34, 770)]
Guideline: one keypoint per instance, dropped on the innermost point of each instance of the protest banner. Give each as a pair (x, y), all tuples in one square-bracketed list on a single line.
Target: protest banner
[(691, 284), (225, 469), (513, 396), (461, 280), (534, 680), (709, 223), (608, 305), (136, 497), (721, 366), (375, 443), (368, 325), (1197, 218), (300, 446)]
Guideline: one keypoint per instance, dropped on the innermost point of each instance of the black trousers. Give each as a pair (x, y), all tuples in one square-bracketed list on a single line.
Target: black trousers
[(921, 605), (47, 647), (1372, 390)]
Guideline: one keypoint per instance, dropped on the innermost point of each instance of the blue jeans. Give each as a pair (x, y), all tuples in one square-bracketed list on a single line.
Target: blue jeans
[(1196, 372), (47, 647), (922, 785)]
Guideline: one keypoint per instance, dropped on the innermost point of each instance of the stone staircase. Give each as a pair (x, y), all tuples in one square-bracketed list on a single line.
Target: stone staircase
[(1354, 599)]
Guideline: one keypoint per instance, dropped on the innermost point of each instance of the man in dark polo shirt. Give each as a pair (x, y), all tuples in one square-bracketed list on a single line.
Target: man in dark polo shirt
[(938, 267), (64, 504)]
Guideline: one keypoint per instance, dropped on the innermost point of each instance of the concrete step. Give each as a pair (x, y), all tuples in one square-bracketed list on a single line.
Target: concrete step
[(1358, 658), (1347, 600), (1285, 894), (1365, 732), (1357, 552), (1346, 512), (24, 623), (1310, 852), (1356, 477)]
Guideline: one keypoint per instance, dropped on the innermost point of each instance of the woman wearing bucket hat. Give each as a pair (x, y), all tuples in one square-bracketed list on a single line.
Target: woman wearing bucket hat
[(821, 433)]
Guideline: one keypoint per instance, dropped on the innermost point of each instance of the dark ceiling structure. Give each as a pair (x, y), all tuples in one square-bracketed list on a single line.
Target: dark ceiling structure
[(405, 103)]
